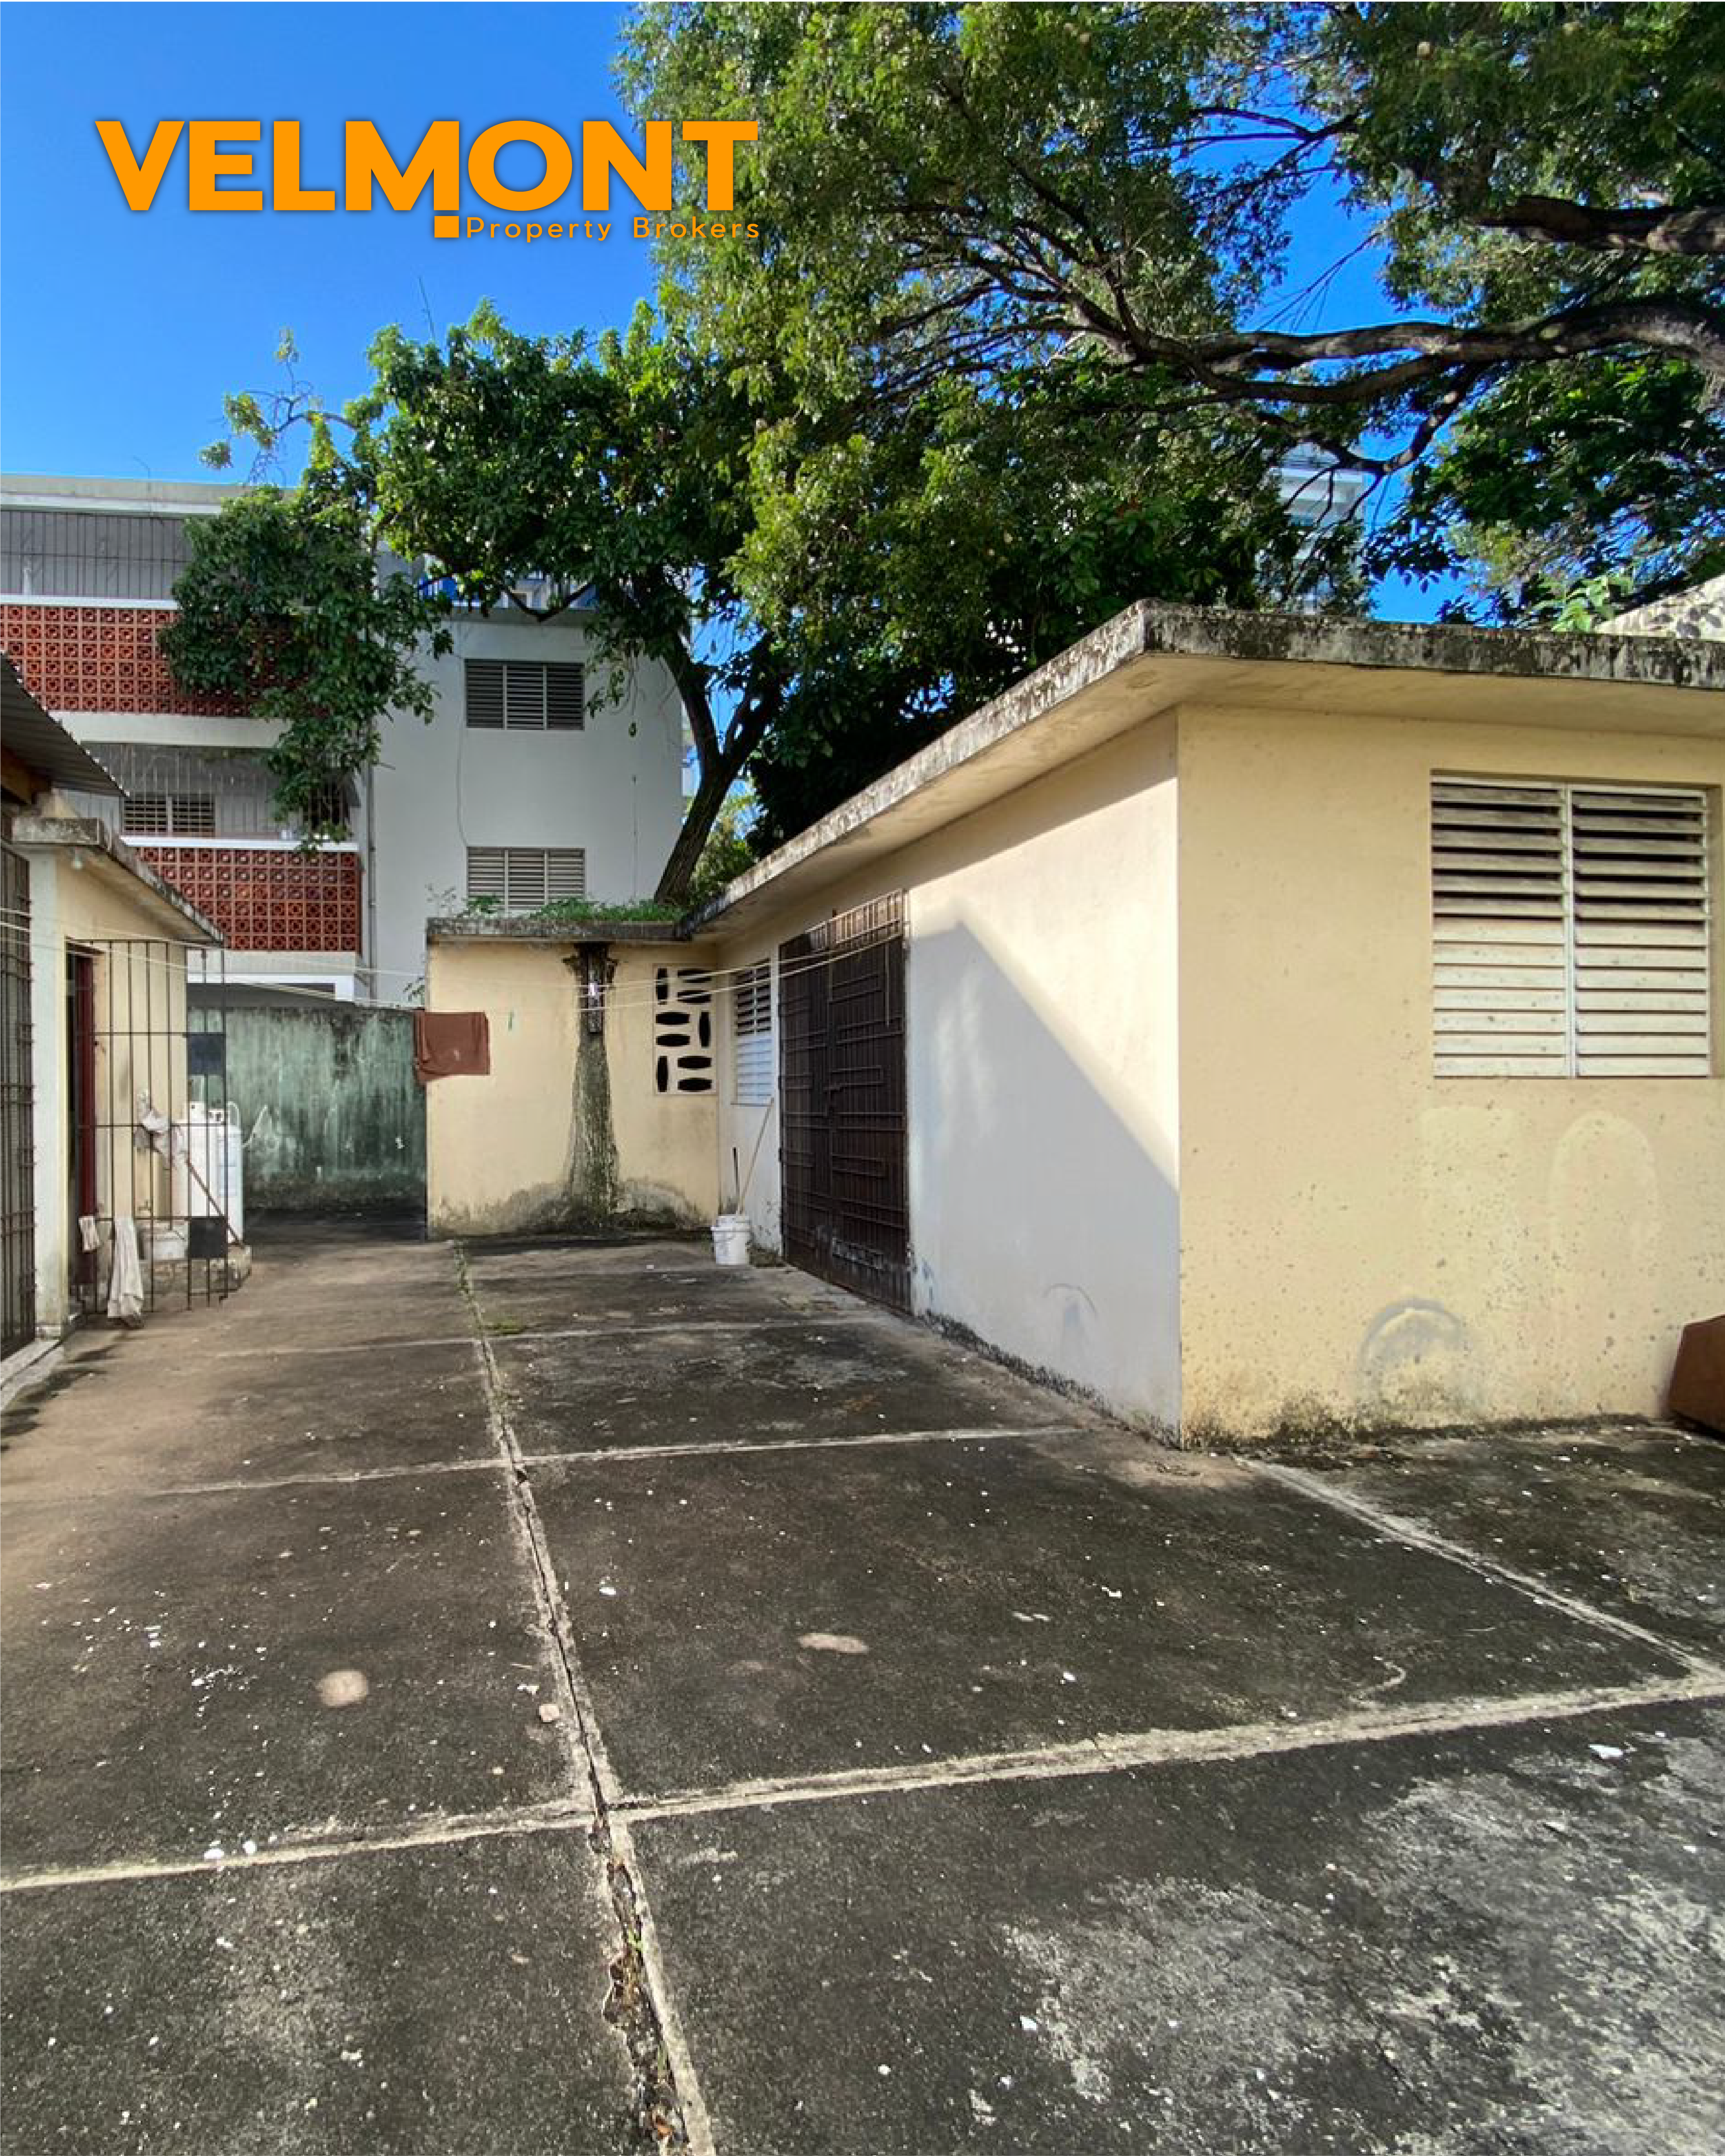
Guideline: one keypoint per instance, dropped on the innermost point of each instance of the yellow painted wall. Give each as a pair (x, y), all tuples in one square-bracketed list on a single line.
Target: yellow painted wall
[(522, 1149), (1359, 1237), (140, 1008)]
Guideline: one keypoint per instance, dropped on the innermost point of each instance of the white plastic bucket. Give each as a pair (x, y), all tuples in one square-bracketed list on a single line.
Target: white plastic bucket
[(730, 1239)]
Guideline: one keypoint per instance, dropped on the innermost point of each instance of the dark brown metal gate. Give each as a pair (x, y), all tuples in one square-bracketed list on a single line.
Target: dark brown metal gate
[(17, 1143), (842, 1118)]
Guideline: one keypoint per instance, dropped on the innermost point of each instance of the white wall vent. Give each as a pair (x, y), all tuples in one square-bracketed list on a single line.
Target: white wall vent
[(521, 879), (532, 695), (1571, 931)]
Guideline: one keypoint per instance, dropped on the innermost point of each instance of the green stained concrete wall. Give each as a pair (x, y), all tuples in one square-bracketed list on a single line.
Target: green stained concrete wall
[(333, 1118)]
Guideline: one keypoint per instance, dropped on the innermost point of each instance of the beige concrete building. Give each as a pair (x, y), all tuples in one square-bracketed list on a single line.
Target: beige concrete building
[(1256, 1023), (96, 1035), (570, 1125)]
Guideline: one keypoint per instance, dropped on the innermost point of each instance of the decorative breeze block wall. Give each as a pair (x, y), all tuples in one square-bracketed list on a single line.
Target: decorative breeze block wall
[(270, 898), (683, 1029), (100, 659)]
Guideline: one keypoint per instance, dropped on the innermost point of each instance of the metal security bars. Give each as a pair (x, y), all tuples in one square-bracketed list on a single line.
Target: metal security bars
[(751, 1036), (91, 553), (534, 695), (521, 879), (843, 1106), (155, 1154), (18, 1151), (1571, 930), (171, 815)]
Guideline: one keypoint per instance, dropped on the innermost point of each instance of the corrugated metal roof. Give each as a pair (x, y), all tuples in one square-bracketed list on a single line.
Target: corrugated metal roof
[(42, 744)]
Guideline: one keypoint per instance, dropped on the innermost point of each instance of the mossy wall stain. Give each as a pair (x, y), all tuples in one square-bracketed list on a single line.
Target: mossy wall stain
[(332, 1116), (595, 1181)]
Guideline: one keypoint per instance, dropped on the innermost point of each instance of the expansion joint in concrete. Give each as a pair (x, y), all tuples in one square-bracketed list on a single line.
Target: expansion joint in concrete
[(669, 2110), (1150, 1748), (1395, 1526), (314, 1848), (697, 1448)]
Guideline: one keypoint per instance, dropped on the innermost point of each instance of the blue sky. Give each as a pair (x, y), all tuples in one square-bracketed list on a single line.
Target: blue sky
[(124, 331)]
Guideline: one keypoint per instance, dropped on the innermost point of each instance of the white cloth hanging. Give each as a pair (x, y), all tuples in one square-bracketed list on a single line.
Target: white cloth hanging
[(90, 1236), (125, 1275)]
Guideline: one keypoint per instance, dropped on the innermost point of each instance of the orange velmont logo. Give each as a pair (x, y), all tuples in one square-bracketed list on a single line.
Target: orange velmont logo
[(218, 164)]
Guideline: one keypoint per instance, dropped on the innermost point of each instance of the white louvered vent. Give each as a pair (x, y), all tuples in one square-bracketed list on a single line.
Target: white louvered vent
[(521, 879), (525, 695), (1570, 930), (1639, 869), (752, 1028)]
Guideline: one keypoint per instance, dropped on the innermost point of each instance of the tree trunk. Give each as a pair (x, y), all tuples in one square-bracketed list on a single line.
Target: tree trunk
[(698, 820)]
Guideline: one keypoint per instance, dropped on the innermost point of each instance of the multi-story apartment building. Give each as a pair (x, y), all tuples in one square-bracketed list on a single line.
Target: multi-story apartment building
[(514, 791)]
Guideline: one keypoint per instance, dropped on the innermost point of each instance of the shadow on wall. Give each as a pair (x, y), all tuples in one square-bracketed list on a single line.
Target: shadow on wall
[(1044, 1210)]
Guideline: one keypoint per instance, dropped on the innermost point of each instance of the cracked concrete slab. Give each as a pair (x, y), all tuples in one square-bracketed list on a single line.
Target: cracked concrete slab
[(838, 1379), (772, 1614), (583, 1257), (179, 1670), (126, 1412), (446, 1998), (1486, 1944), (516, 1301), (1633, 1519), (1273, 1684)]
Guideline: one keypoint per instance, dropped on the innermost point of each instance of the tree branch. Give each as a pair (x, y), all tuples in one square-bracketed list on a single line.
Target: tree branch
[(1698, 230)]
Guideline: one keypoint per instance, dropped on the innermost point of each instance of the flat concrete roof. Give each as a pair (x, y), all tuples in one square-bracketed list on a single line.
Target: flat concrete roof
[(67, 490), (115, 861), (508, 928), (1151, 659)]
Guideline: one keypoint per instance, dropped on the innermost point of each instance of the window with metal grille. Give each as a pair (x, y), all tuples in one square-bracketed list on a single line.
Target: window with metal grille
[(531, 694), (1570, 930), (170, 815), (752, 1036), (521, 879)]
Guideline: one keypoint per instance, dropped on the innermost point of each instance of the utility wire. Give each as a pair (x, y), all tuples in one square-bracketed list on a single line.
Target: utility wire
[(716, 982)]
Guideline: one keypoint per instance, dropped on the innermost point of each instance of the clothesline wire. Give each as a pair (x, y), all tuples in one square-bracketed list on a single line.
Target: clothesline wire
[(716, 981)]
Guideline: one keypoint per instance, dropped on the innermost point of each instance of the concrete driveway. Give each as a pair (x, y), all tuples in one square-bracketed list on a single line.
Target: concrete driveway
[(562, 1697)]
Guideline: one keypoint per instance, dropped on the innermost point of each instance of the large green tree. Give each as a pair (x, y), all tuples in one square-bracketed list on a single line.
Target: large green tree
[(825, 589), (951, 193)]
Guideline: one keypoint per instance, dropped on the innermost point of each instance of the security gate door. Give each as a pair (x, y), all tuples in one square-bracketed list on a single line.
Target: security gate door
[(18, 1142), (842, 1120)]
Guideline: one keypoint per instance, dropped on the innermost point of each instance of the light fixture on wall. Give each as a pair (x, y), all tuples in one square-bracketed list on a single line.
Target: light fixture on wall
[(595, 969)]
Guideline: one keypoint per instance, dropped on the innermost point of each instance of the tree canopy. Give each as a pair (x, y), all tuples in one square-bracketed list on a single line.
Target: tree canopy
[(283, 610), (1022, 338), (819, 619), (955, 193)]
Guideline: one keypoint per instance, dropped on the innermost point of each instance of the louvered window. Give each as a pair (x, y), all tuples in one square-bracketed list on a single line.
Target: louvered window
[(1571, 931), (751, 1028), (529, 694), (521, 879)]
